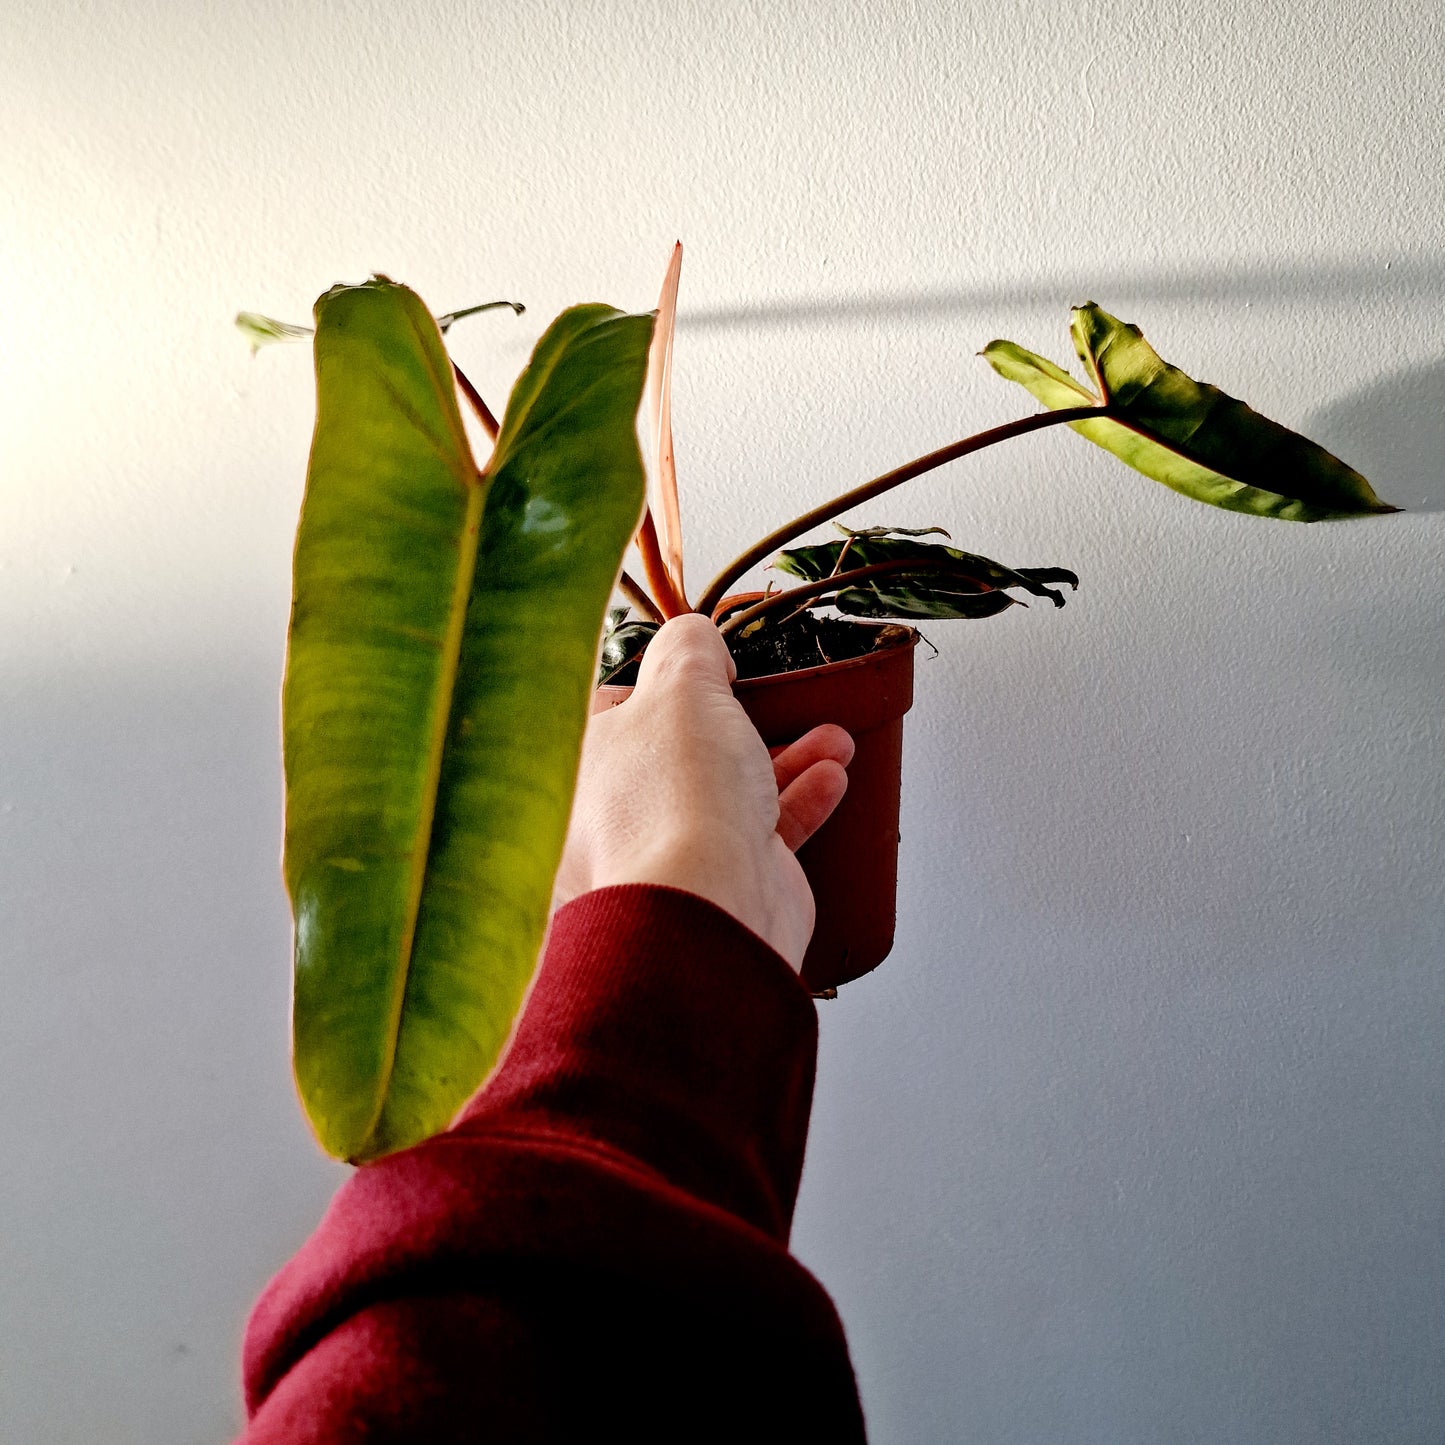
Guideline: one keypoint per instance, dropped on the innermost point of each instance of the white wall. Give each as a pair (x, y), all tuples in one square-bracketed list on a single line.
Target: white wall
[(1137, 1135)]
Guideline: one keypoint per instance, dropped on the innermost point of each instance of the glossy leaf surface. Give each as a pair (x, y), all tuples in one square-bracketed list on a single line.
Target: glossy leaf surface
[(1189, 435), (443, 641), (622, 643), (948, 583)]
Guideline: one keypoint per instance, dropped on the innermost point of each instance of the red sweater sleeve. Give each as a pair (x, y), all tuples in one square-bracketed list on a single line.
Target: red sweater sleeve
[(597, 1248)]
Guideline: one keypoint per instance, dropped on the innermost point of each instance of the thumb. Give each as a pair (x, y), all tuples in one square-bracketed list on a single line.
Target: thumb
[(687, 647)]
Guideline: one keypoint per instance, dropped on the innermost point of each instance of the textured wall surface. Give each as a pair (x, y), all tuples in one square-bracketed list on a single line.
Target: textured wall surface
[(1137, 1135)]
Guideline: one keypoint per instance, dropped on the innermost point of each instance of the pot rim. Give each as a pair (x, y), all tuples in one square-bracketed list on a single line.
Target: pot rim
[(909, 638)]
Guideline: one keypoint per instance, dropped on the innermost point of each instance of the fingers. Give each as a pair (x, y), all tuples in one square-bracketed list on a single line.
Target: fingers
[(808, 801), (811, 780), (689, 644), (828, 742)]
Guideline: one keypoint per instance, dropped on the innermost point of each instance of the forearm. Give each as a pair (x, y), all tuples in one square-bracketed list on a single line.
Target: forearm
[(613, 1208), (660, 1028)]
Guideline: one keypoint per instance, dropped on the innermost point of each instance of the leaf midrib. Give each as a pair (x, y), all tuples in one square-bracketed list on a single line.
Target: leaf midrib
[(450, 660)]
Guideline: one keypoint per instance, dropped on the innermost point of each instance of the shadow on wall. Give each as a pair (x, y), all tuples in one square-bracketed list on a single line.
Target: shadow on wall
[(1393, 280), (1393, 432)]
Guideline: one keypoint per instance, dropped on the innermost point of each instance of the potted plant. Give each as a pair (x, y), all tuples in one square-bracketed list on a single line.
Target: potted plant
[(444, 646)]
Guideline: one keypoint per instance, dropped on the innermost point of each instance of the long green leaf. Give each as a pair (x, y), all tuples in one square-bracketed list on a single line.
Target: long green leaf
[(1188, 435), (443, 640)]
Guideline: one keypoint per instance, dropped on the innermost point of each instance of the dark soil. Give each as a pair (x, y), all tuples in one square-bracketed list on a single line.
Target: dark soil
[(804, 641)]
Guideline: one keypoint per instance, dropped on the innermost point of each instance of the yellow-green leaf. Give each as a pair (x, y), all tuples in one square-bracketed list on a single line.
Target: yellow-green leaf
[(264, 330), (443, 640), (1189, 435)]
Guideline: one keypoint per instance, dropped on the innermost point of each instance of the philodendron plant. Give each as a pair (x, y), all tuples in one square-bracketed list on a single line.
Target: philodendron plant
[(447, 618)]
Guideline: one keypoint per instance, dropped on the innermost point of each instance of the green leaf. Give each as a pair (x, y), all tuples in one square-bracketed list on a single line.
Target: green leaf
[(948, 583), (264, 330), (443, 640), (890, 531), (622, 643), (1186, 434)]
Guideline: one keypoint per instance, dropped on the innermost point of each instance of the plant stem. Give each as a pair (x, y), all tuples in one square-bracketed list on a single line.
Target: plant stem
[(836, 583), (630, 589), (825, 513), (483, 411), (736, 600), (668, 602)]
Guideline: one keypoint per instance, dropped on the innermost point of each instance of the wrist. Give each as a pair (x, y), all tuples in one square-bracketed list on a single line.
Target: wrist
[(726, 872)]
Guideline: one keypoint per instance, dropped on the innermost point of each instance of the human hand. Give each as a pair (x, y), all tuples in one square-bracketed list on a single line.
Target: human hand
[(677, 788)]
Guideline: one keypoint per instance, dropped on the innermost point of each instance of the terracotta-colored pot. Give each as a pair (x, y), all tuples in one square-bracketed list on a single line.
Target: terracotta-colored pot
[(852, 861)]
